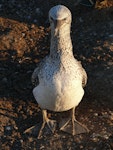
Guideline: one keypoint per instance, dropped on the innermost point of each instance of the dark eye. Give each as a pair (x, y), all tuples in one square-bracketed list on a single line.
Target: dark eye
[(64, 19), (51, 18)]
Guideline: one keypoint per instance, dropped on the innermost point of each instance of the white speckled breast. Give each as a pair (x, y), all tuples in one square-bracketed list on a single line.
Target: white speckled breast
[(60, 89)]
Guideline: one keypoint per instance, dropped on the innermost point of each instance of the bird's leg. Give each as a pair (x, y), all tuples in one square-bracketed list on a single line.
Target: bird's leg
[(51, 124), (71, 125), (46, 121)]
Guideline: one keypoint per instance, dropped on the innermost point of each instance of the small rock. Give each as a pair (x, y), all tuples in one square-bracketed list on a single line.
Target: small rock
[(81, 147), (16, 127), (35, 21), (110, 63), (29, 17), (38, 11), (111, 35), (21, 141), (32, 26), (95, 114), (81, 20), (23, 34), (30, 139), (8, 130), (42, 147), (0, 6)]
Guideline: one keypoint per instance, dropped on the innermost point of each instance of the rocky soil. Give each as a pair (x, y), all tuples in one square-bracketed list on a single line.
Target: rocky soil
[(24, 41)]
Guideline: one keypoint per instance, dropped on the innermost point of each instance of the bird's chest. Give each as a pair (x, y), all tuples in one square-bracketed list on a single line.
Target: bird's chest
[(58, 78), (59, 89)]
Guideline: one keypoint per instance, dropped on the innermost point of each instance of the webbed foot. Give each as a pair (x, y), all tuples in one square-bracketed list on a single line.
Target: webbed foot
[(47, 126), (72, 127)]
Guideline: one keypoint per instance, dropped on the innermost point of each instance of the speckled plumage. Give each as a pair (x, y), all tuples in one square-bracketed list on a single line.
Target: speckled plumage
[(59, 78)]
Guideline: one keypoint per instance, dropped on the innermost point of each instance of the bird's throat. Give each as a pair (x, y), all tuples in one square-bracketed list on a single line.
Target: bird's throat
[(60, 43)]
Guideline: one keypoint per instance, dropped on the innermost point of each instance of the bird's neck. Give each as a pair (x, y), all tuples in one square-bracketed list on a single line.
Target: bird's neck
[(61, 44)]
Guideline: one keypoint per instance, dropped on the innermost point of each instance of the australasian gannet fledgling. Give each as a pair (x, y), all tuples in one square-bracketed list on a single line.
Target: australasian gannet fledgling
[(61, 77)]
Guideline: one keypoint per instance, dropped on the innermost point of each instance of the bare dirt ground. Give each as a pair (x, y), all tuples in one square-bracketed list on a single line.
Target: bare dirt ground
[(24, 41)]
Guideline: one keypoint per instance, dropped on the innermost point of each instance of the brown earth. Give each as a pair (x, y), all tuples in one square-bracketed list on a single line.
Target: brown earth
[(24, 41)]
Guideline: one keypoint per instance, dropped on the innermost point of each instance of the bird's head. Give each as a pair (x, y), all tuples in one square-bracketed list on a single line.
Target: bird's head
[(59, 17)]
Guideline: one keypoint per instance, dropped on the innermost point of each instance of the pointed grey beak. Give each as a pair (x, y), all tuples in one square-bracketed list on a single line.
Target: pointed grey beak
[(57, 23)]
